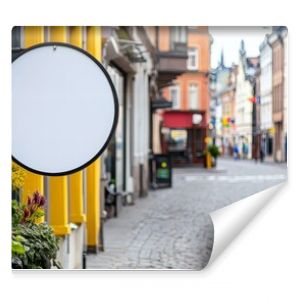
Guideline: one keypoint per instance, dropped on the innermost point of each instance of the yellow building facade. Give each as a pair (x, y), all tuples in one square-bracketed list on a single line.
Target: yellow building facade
[(73, 202)]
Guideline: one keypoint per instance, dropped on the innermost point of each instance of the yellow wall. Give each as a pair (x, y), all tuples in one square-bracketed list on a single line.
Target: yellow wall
[(58, 185), (77, 214), (67, 205), (93, 171)]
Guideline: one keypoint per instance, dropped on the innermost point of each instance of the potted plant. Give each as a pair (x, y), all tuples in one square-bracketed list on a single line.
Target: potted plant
[(214, 152), (34, 245)]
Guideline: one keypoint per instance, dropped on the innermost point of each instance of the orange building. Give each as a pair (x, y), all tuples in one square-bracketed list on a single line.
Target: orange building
[(184, 127), (190, 91), (170, 52)]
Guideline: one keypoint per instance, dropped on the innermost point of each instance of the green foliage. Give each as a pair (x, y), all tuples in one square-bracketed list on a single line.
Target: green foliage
[(214, 150), (34, 245), (18, 175), (17, 213)]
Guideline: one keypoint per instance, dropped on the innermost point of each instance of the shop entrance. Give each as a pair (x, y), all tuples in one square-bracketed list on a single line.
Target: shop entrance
[(183, 137)]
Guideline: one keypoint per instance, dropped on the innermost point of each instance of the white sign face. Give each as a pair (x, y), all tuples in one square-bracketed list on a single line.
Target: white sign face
[(64, 109)]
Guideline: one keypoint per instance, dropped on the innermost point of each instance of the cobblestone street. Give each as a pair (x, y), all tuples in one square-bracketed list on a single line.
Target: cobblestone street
[(171, 229)]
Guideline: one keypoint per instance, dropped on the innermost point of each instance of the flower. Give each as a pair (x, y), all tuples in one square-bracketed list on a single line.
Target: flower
[(18, 176), (36, 198), (26, 214), (42, 201)]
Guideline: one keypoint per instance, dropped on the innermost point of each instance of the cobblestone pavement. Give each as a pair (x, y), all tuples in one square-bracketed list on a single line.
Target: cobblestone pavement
[(171, 229)]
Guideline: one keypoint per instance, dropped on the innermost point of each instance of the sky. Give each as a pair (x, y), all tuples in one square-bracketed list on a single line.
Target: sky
[(229, 39)]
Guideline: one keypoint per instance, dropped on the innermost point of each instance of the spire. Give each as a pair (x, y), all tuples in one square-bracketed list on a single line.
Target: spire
[(222, 58), (242, 48)]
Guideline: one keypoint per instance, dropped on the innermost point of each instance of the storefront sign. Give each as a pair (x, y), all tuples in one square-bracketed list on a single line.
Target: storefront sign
[(163, 170), (184, 119), (64, 109)]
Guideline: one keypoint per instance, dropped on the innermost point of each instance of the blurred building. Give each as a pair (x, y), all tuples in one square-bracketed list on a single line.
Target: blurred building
[(278, 41), (223, 106), (245, 98), (284, 35), (130, 63), (228, 113), (266, 103), (171, 60), (213, 104), (256, 120), (185, 126)]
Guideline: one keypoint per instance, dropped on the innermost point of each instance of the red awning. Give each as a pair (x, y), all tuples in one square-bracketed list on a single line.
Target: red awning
[(184, 119)]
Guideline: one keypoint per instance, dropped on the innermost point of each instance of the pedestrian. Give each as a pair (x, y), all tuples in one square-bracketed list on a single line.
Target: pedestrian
[(245, 150), (262, 154), (235, 152), (230, 149)]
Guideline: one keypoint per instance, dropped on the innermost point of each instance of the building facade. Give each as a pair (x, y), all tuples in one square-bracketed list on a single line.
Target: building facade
[(285, 92), (130, 65), (228, 113), (266, 103), (278, 87), (223, 88), (243, 108), (170, 48), (245, 100), (73, 202), (190, 90), (190, 98)]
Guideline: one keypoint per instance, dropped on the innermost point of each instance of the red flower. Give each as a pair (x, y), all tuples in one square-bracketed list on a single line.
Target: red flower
[(36, 198), (26, 213), (42, 201)]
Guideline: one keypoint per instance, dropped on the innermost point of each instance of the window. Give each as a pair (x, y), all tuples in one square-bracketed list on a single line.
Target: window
[(192, 63), (175, 96), (179, 34), (193, 96), (178, 39)]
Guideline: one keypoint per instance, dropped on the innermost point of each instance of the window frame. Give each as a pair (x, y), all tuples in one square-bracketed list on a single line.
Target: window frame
[(196, 54), (178, 36), (193, 86), (176, 88)]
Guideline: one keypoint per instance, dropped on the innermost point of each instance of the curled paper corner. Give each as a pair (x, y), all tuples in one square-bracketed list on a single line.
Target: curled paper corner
[(230, 220)]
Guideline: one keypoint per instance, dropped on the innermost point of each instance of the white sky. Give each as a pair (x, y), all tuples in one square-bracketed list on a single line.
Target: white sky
[(229, 39)]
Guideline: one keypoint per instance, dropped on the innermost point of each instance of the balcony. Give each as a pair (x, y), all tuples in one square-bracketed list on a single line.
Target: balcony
[(171, 64)]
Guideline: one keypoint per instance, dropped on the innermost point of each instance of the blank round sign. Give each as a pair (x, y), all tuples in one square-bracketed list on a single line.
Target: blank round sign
[(64, 109)]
